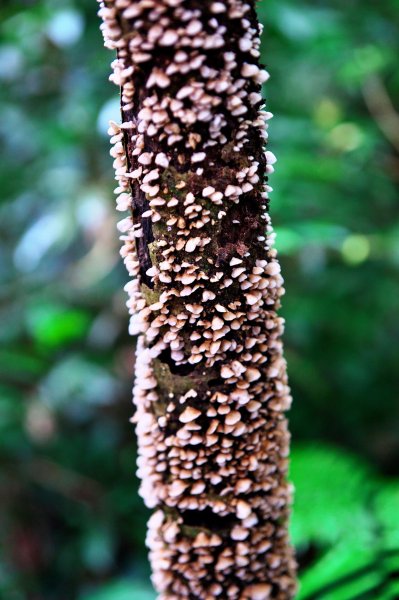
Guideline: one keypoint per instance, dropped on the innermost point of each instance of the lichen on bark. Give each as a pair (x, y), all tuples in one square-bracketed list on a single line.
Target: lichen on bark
[(210, 387)]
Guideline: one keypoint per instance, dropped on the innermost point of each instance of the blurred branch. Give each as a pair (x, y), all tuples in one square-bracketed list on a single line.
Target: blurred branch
[(65, 481), (381, 108)]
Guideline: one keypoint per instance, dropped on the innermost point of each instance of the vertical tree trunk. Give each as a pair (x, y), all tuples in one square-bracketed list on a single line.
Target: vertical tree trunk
[(211, 387)]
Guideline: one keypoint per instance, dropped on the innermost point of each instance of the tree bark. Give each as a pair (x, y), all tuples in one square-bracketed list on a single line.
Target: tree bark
[(211, 387)]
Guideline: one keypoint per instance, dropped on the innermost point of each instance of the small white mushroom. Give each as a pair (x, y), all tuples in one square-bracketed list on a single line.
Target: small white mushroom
[(145, 158), (226, 372), (192, 244), (169, 38), (208, 295), (243, 509), (259, 591), (270, 157), (217, 323), (238, 271), (208, 191), (251, 299), (230, 190), (193, 27), (189, 414), (233, 417), (218, 7), (252, 374), (273, 268), (235, 261), (198, 488), (245, 44), (239, 533), (198, 157), (177, 488), (162, 160)]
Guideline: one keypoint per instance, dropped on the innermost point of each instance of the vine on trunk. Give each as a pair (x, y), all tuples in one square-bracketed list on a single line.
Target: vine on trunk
[(211, 387)]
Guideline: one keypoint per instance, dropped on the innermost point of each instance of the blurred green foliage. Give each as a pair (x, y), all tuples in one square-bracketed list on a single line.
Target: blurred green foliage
[(72, 525), (344, 526)]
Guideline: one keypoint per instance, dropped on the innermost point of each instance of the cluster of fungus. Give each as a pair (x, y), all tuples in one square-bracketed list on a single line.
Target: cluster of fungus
[(210, 388)]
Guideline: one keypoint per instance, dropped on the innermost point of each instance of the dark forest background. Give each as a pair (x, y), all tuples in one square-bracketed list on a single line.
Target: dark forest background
[(72, 525)]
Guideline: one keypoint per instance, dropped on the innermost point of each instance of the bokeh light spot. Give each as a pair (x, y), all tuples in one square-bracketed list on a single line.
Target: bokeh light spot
[(65, 28), (327, 113), (345, 137), (355, 249)]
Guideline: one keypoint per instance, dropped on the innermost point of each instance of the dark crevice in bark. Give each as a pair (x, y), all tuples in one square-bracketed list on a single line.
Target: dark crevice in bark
[(215, 383), (207, 519), (166, 358), (140, 205)]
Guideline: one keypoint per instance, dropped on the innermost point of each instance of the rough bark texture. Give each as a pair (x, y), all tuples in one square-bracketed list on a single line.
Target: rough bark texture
[(211, 387)]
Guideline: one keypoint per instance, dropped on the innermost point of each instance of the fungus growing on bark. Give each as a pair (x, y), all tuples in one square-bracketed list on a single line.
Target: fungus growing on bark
[(210, 388)]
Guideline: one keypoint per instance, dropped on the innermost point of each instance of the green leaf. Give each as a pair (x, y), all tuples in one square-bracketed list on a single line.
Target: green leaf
[(332, 489), (344, 567), (386, 506), (55, 325)]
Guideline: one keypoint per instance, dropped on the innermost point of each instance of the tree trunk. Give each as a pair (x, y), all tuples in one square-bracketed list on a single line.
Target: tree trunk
[(211, 386)]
